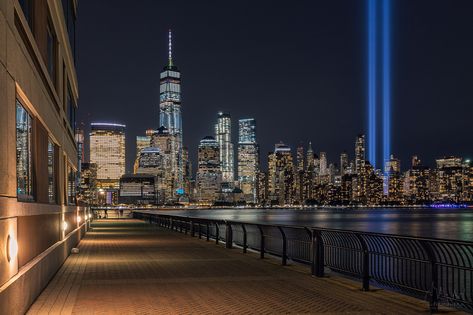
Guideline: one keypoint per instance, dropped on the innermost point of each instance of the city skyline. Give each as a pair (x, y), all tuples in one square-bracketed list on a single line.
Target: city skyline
[(329, 95), (284, 113)]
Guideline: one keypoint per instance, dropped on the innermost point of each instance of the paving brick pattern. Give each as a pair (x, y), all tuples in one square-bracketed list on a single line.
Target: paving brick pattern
[(128, 267)]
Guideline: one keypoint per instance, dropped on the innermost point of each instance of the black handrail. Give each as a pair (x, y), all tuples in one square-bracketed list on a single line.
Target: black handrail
[(437, 270)]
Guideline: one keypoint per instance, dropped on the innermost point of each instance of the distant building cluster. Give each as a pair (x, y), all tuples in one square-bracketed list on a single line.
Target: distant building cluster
[(162, 172)]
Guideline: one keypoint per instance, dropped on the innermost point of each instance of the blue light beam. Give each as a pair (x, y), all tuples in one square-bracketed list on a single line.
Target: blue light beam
[(386, 79), (372, 81)]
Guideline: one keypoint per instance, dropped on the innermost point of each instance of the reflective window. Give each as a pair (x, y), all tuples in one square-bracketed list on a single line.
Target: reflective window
[(23, 153), (51, 173), (51, 49), (71, 109), (70, 16), (27, 7)]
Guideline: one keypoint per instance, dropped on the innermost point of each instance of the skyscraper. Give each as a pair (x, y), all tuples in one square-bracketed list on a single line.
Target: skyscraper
[(248, 158), (281, 188), (170, 115), (323, 164), (223, 135), (300, 158), (343, 163), (209, 173), (107, 151), (141, 143), (359, 153), (163, 140)]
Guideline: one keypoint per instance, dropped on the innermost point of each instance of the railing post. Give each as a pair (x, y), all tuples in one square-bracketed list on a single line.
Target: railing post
[(245, 245), (228, 236), (208, 232), (171, 224), (200, 230), (317, 266), (366, 263), (261, 242), (284, 246), (192, 228), (217, 232), (434, 299)]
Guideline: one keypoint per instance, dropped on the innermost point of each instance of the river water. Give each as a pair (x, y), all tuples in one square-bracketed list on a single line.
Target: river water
[(439, 223)]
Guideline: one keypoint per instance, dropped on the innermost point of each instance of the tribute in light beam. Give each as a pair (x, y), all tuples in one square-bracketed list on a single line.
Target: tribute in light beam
[(372, 81), (386, 80)]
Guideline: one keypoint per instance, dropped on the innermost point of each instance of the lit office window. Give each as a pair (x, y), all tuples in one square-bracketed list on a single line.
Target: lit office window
[(51, 173), (23, 153), (71, 185)]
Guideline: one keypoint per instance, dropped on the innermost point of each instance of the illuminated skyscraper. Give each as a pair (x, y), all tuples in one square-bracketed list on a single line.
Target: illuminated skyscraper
[(453, 179), (281, 185), (323, 164), (248, 158), (170, 115), (223, 135), (359, 154), (300, 158), (107, 151), (163, 140), (141, 143), (343, 163), (392, 179), (209, 175)]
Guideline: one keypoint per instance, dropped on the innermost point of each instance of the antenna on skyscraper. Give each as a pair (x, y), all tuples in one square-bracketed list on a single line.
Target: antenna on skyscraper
[(170, 48)]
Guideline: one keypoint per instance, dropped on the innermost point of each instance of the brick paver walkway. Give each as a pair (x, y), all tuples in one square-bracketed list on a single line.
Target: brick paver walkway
[(128, 267)]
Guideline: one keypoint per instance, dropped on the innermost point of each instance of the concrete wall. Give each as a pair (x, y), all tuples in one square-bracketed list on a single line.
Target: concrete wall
[(36, 225), (17, 295)]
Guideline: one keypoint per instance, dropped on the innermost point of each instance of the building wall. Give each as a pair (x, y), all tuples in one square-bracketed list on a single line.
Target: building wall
[(36, 225)]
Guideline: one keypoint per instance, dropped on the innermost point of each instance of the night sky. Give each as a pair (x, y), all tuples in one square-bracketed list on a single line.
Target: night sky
[(298, 67)]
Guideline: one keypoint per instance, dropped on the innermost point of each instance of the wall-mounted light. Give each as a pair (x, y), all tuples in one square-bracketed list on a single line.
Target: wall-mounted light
[(64, 225), (79, 219), (12, 248)]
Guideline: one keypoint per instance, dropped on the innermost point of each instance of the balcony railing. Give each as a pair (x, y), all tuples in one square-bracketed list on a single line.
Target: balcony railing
[(437, 270)]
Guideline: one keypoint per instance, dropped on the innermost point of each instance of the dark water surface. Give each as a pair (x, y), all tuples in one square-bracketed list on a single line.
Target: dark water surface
[(439, 223)]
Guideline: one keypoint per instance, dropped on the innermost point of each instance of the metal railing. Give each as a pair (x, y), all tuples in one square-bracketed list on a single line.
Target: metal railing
[(437, 270)]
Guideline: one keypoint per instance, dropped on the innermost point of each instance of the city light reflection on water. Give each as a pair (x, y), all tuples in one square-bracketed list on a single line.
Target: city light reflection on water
[(439, 223)]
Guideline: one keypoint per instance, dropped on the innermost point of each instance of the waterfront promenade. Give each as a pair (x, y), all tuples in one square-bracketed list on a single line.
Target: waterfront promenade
[(130, 267)]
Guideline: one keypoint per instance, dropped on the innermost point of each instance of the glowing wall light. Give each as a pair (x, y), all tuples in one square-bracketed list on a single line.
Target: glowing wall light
[(64, 225), (79, 219), (12, 248)]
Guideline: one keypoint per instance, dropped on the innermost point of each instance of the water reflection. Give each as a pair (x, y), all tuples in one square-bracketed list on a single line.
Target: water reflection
[(439, 223)]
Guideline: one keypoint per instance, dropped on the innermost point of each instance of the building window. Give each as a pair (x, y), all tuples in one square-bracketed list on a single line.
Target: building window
[(71, 108), (51, 172), (70, 16), (24, 181), (27, 7), (71, 185), (52, 52)]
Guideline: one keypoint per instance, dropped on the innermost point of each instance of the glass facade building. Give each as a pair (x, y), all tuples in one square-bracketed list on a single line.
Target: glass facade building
[(223, 133), (107, 151), (209, 175), (170, 115), (248, 158)]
